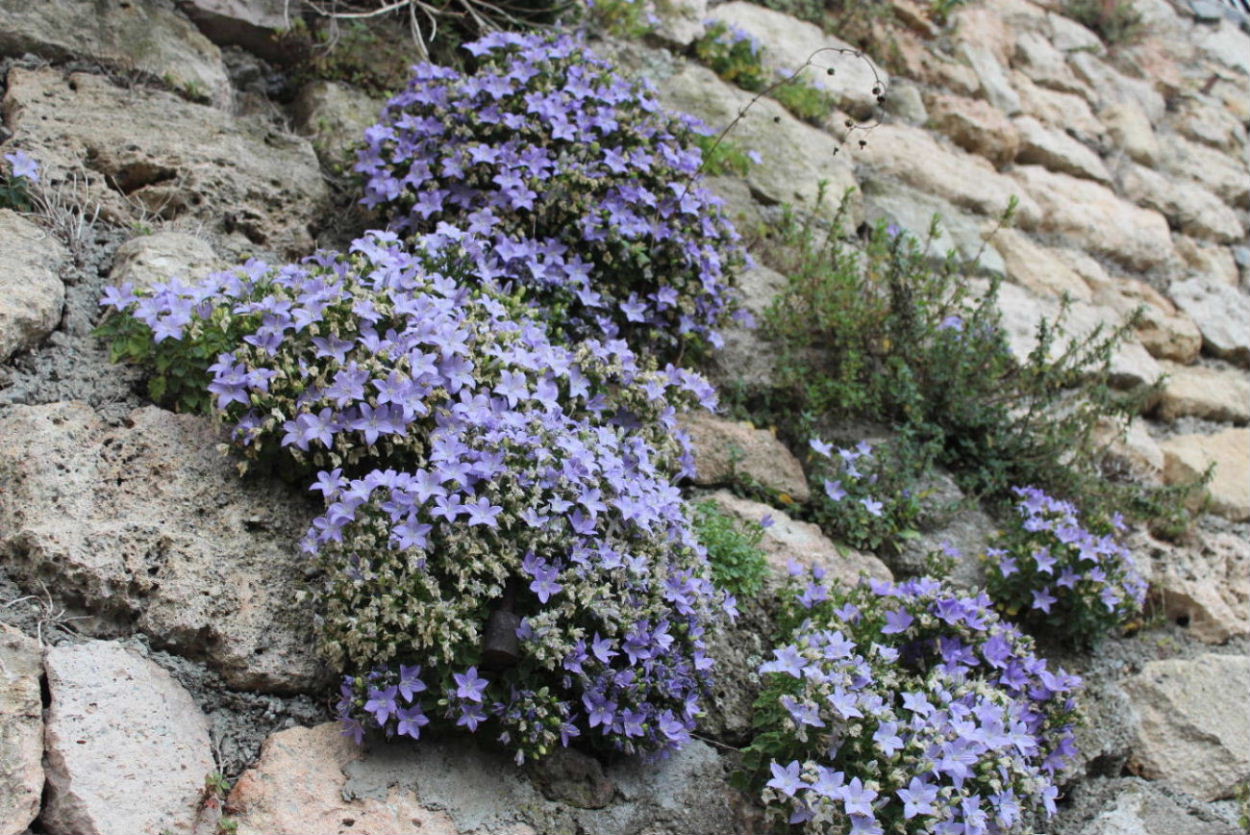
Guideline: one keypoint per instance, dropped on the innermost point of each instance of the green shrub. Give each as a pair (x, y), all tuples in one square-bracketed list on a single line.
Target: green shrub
[(889, 334), (738, 564)]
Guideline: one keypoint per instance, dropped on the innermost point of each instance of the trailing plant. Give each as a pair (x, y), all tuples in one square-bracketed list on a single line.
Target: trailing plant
[(502, 546), (733, 549), (587, 190), (906, 709), (1068, 577)]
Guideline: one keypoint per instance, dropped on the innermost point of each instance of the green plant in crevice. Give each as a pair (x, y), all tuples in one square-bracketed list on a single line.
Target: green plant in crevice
[(1115, 21), (889, 333), (733, 549), (15, 186)]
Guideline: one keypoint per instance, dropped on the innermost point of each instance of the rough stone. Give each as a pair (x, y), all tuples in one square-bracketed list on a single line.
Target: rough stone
[(913, 210), (1093, 216), (149, 524), (1022, 311), (796, 157), (789, 42), (1133, 806), (1205, 586), (1210, 261), (1227, 45), (1036, 267), (1222, 314), (168, 158), (1210, 393), (1211, 124), (259, 26), (1132, 449), (1108, 85), (1045, 64), (1163, 330), (1063, 111), (148, 259), (1193, 729), (141, 35), (1069, 36), (316, 780), (905, 101), (1130, 129), (995, 83), (747, 360), (1187, 205), (334, 116), (680, 22), (789, 541), (21, 731), (119, 729), (1188, 456), (1057, 151), (1225, 175), (917, 159), (32, 294), (726, 450), (976, 126)]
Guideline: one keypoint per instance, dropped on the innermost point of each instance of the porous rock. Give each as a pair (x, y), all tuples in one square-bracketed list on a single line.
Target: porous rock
[(150, 524), (976, 126), (1132, 806), (747, 360), (31, 291), (1131, 130), (1187, 457), (317, 780), (334, 116), (1221, 312), (21, 730), (1204, 586), (1057, 151), (143, 35), (1223, 174), (726, 450), (162, 256), (168, 158), (259, 26), (1187, 205), (127, 748), (1193, 729), (788, 541)]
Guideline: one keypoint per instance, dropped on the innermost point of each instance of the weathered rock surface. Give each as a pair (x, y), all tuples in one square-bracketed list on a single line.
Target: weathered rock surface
[(680, 22), (1095, 218), (912, 211), (141, 35), (795, 157), (1131, 130), (163, 256), (31, 291), (1057, 151), (168, 157), (747, 360), (726, 450), (1193, 729), (334, 116), (1226, 176), (1188, 456), (1205, 587), (1163, 330), (1187, 205), (1038, 268), (1132, 806), (1211, 393), (915, 157), (976, 126), (789, 42), (1132, 450), (256, 25), (316, 780), (150, 524), (789, 541), (21, 731), (1221, 312), (127, 747)]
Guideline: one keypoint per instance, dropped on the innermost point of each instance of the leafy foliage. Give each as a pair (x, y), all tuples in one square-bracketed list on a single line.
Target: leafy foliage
[(586, 189), (907, 708), (866, 500), (1070, 578), (738, 564)]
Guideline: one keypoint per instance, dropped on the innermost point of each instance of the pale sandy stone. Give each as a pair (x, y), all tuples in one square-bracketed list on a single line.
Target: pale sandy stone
[(1058, 151), (1210, 393), (21, 731), (32, 294), (1187, 457), (976, 126), (726, 450)]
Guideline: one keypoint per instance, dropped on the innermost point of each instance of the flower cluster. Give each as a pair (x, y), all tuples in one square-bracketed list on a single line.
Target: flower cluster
[(1076, 578), (854, 501), (502, 543), (908, 709), (588, 192)]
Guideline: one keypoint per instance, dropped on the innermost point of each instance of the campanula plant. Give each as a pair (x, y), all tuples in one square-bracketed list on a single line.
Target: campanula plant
[(586, 188), (858, 496), (502, 546), (907, 708), (1068, 575)]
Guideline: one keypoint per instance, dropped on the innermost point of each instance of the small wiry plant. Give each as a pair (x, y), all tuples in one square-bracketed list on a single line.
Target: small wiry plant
[(733, 549)]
